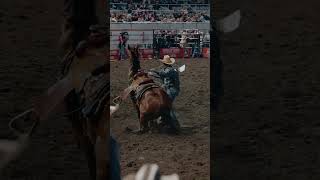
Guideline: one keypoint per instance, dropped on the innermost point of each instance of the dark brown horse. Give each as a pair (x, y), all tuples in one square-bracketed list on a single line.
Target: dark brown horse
[(90, 97), (83, 95), (150, 100)]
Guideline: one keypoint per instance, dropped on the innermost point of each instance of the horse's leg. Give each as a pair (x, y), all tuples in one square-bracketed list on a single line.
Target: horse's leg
[(102, 146), (85, 145), (83, 141), (88, 148), (134, 101), (143, 125)]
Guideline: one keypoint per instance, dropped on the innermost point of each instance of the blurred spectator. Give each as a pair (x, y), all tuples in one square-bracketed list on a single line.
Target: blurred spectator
[(159, 10), (162, 1), (123, 38), (152, 16)]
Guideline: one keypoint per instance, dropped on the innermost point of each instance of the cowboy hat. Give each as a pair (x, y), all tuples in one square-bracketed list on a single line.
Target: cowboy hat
[(167, 60)]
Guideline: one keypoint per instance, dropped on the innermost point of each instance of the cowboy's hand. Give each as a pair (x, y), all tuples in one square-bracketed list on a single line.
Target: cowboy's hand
[(150, 73)]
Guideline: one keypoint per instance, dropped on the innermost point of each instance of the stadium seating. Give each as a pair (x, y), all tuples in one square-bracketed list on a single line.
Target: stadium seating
[(159, 11)]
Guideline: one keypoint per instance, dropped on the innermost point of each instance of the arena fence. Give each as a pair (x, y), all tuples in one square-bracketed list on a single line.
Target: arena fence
[(153, 45), (156, 44)]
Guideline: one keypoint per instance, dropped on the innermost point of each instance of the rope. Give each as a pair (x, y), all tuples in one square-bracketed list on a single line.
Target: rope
[(117, 100), (16, 118), (34, 125)]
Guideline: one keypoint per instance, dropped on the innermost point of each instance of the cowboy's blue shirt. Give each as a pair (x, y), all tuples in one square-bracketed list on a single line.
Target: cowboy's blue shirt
[(169, 77)]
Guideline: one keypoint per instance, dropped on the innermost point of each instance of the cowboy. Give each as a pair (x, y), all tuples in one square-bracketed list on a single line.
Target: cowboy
[(169, 77), (170, 81), (123, 38), (183, 42)]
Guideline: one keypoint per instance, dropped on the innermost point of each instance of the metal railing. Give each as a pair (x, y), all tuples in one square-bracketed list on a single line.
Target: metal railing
[(148, 38)]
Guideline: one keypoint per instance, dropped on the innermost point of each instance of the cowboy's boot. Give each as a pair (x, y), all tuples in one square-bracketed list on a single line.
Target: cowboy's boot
[(174, 123)]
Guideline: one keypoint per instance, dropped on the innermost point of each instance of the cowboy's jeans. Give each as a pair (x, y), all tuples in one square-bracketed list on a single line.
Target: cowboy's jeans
[(172, 93), (173, 120)]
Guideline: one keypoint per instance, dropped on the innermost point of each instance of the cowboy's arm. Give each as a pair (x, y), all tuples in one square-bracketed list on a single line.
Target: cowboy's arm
[(153, 71), (161, 72)]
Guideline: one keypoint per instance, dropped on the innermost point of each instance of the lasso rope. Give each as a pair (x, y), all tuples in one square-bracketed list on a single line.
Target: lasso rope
[(34, 125)]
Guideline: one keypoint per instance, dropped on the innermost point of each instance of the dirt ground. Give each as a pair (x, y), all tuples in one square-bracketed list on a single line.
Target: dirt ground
[(268, 124), (188, 154)]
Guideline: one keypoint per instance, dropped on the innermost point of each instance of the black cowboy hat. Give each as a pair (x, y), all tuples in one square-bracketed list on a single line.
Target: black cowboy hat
[(124, 33)]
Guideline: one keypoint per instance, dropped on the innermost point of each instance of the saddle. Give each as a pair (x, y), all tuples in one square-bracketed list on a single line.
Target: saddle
[(85, 71), (139, 89), (93, 95)]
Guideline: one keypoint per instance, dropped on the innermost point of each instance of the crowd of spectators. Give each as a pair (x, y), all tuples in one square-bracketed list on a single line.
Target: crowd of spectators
[(161, 2), (159, 11), (152, 16), (146, 5)]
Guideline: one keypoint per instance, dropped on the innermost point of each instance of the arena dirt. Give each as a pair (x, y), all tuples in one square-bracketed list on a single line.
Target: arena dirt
[(186, 154), (268, 124)]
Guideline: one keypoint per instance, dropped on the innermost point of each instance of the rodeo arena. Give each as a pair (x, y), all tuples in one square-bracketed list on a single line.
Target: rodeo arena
[(151, 33)]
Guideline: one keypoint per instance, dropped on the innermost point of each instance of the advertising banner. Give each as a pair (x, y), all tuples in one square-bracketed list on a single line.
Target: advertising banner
[(176, 52), (206, 52)]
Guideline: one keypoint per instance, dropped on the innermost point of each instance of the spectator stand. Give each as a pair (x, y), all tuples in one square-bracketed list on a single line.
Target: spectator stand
[(155, 43), (142, 37), (171, 42), (148, 10)]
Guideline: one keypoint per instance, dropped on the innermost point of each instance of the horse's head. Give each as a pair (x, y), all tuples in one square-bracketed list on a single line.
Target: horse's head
[(133, 52)]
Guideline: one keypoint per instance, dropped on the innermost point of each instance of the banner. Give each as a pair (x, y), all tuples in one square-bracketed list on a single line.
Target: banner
[(176, 52), (114, 54), (206, 52), (146, 53)]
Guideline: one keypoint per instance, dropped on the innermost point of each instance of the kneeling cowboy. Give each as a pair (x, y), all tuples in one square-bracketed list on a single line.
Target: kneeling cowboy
[(170, 81)]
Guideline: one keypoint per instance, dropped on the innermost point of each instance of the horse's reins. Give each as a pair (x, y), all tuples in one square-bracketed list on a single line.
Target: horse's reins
[(37, 120), (117, 100)]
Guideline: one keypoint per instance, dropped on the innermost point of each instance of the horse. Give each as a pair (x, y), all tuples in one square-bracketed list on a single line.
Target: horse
[(149, 98), (82, 94), (92, 95)]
